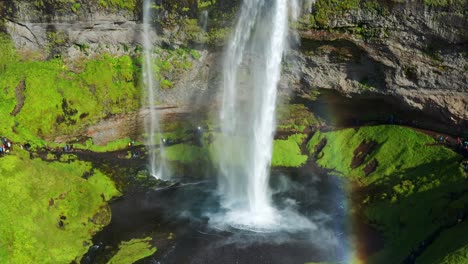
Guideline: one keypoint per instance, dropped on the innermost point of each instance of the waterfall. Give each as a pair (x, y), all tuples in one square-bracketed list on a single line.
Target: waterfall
[(157, 161), (252, 70), (204, 20)]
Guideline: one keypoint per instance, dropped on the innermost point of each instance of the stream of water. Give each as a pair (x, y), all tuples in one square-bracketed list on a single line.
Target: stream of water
[(252, 70), (157, 161)]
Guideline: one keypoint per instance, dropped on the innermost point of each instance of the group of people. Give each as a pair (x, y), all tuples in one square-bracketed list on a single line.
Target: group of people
[(6, 146), (462, 143)]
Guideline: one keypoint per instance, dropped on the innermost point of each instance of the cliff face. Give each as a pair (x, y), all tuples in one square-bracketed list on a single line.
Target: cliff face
[(412, 54)]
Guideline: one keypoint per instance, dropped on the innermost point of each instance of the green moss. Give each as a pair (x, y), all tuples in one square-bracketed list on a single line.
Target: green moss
[(399, 149), (287, 153), (59, 100), (408, 194), (445, 3), (295, 118), (451, 242), (171, 64), (35, 194), (215, 36), (166, 84), (119, 4), (186, 153), (326, 9), (133, 250), (115, 145)]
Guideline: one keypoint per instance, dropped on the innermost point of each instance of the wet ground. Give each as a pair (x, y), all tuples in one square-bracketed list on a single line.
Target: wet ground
[(178, 219)]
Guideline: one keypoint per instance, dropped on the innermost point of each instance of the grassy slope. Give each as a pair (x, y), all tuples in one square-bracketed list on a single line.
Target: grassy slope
[(452, 241), (133, 250), (408, 194), (101, 86), (35, 194), (287, 153), (399, 149)]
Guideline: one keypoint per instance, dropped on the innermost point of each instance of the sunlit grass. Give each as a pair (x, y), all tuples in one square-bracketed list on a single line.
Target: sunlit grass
[(287, 153), (133, 250), (35, 194)]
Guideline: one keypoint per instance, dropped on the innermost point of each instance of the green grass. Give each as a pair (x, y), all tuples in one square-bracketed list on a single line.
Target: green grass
[(399, 149), (61, 101), (133, 250), (186, 153), (115, 145), (408, 196), (287, 153), (35, 194), (451, 241)]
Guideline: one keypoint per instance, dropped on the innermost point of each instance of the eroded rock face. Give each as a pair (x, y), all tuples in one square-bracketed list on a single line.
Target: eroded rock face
[(72, 34), (413, 54)]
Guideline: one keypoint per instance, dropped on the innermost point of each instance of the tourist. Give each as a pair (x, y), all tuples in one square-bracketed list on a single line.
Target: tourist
[(198, 136), (441, 139)]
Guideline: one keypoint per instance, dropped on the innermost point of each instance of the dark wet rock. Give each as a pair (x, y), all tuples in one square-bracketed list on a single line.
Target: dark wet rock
[(103, 217), (93, 251), (319, 147), (86, 175), (371, 167), (27, 146), (361, 152), (19, 93)]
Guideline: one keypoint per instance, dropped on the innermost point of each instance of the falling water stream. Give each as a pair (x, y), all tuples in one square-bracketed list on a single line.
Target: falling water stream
[(157, 162), (252, 70)]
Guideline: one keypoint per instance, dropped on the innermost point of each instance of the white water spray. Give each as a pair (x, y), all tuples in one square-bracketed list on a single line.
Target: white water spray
[(252, 70), (157, 162)]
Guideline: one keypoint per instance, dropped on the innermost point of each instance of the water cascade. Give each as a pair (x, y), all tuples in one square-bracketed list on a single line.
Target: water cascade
[(252, 70), (157, 162), (204, 20)]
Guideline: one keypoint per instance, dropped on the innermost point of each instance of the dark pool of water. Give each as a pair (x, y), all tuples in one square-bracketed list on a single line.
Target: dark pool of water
[(177, 218)]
